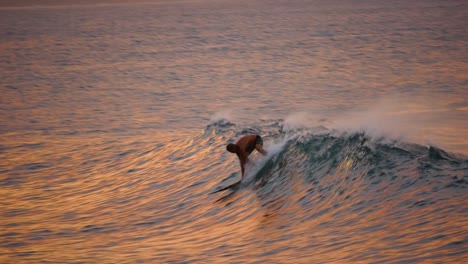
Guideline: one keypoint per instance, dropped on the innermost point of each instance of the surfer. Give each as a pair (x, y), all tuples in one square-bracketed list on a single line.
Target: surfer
[(244, 147)]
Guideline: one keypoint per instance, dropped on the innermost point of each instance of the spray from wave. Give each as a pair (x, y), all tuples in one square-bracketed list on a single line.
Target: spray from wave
[(319, 150)]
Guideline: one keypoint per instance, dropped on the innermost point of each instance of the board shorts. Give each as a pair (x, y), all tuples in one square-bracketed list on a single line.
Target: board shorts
[(258, 140)]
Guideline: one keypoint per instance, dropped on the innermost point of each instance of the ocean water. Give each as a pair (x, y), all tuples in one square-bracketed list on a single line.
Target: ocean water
[(115, 116)]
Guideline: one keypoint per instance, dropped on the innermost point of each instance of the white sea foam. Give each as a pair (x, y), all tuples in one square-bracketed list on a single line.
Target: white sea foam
[(255, 165), (222, 115)]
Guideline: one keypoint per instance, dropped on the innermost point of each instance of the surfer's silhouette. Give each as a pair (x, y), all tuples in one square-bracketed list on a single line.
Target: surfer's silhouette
[(244, 147)]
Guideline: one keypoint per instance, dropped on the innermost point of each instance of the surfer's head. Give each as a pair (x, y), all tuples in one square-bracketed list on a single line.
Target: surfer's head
[(232, 148)]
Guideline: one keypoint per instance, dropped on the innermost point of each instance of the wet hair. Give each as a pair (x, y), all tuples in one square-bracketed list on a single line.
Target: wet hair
[(232, 148)]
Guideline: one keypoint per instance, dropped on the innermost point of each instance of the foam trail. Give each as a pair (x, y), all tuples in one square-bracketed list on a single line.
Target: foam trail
[(256, 165), (275, 149)]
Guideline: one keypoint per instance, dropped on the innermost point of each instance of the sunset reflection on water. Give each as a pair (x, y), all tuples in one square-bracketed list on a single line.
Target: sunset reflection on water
[(146, 200), (115, 117)]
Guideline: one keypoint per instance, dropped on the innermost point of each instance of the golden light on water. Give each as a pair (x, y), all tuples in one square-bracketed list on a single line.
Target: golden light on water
[(115, 116)]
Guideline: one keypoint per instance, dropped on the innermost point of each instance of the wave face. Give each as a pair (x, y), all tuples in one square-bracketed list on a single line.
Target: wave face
[(352, 197)]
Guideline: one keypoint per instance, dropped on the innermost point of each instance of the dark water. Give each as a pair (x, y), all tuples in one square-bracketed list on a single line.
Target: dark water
[(114, 120)]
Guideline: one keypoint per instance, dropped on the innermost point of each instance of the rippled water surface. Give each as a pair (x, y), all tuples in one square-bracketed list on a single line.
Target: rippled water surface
[(115, 116)]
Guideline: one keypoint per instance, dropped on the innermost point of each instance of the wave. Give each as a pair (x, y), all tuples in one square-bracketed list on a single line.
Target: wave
[(320, 153), (357, 187)]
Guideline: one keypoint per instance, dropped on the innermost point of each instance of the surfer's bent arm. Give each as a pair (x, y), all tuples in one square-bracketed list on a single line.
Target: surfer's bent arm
[(260, 149)]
